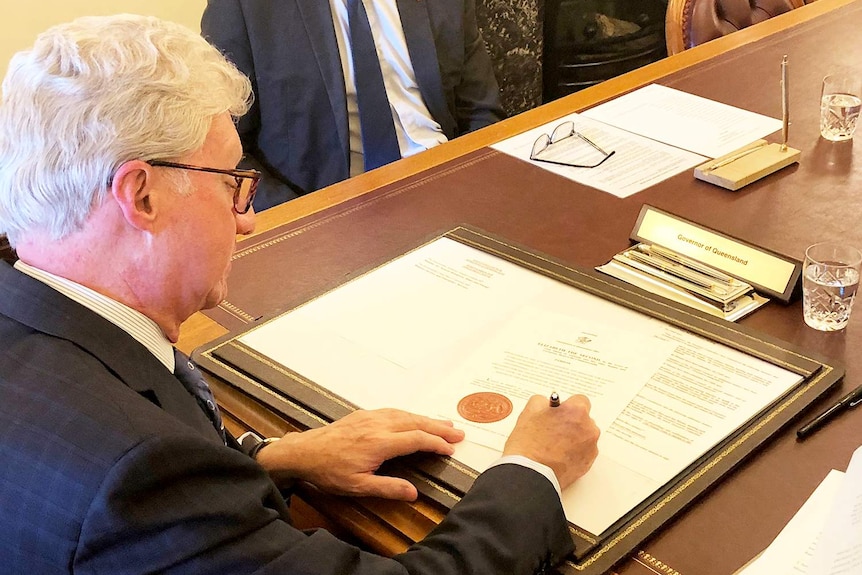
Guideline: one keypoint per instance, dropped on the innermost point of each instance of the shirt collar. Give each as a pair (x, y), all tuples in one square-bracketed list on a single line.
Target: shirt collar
[(133, 322)]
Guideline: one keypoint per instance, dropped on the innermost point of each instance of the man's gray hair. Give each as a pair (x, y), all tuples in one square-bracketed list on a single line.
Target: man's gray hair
[(93, 94)]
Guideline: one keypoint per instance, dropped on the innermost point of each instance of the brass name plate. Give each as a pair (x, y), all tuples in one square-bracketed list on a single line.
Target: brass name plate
[(769, 273)]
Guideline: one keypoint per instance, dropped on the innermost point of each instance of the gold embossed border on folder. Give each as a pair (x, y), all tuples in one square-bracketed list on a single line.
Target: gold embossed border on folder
[(446, 480)]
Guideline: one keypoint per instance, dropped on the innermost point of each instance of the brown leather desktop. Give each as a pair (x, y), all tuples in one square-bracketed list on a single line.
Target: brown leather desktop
[(361, 223)]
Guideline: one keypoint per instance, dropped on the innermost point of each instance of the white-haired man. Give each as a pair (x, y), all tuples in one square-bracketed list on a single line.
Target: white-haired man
[(119, 189)]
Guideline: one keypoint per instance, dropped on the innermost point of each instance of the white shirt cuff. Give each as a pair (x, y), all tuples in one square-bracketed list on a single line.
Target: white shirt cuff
[(534, 465)]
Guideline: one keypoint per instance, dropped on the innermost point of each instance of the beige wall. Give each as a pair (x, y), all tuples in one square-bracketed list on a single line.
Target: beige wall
[(22, 20)]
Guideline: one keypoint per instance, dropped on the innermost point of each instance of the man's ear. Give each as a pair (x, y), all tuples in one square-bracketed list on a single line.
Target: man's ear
[(133, 190)]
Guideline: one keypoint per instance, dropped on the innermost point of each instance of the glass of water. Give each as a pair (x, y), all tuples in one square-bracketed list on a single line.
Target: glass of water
[(839, 106), (830, 278)]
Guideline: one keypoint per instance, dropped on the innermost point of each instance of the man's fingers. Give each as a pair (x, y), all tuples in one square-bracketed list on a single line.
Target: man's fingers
[(443, 429), (580, 400), (397, 420), (577, 400), (407, 442), (386, 487)]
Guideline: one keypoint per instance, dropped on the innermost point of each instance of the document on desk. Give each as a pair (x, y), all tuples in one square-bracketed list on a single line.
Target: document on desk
[(539, 350), (637, 163), (825, 536), (685, 121), (791, 551), (656, 132), (433, 328)]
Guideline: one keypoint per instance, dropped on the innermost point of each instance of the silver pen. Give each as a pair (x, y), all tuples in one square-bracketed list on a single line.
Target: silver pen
[(688, 262), (687, 286), (680, 272), (785, 106)]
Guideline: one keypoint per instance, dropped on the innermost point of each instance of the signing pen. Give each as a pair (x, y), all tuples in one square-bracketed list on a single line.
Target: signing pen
[(849, 401)]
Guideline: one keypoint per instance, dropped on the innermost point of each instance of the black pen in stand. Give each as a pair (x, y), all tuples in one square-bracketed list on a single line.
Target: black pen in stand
[(849, 401)]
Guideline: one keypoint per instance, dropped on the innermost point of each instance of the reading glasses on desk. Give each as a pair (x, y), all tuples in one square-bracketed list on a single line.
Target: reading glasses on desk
[(566, 146)]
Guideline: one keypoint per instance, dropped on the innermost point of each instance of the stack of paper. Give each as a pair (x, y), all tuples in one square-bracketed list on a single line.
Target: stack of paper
[(825, 535)]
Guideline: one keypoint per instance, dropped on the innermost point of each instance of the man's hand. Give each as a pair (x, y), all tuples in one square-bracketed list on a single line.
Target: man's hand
[(343, 457), (564, 438)]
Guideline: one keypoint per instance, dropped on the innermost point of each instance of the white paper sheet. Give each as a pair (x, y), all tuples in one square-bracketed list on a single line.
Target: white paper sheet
[(825, 536), (536, 351), (405, 334), (839, 549), (637, 163), (683, 120), (791, 551)]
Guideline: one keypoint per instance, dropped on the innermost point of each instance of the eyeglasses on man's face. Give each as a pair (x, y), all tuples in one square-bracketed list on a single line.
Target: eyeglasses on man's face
[(566, 146), (246, 182)]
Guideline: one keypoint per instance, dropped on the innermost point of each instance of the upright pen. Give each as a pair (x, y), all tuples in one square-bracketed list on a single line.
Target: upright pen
[(785, 107)]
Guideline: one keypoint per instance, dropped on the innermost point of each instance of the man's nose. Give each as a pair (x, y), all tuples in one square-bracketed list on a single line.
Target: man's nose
[(245, 222)]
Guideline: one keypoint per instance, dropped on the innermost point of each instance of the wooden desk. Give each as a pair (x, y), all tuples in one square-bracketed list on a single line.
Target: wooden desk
[(321, 239)]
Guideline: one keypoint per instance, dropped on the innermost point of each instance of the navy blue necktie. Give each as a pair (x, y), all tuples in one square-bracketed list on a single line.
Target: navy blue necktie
[(379, 142), (193, 380)]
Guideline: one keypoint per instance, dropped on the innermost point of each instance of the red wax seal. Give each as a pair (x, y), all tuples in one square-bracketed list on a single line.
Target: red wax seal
[(485, 407)]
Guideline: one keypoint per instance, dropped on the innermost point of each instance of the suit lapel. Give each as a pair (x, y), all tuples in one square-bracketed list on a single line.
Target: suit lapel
[(317, 18), (423, 56), (34, 304)]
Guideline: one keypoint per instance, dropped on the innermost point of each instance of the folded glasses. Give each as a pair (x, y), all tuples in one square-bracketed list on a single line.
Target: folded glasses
[(565, 146)]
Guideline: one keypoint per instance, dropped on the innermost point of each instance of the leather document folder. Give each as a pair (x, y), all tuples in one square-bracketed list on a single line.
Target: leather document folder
[(297, 397)]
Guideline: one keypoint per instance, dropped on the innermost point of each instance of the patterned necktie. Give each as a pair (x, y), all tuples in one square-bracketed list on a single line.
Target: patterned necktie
[(193, 380), (379, 142)]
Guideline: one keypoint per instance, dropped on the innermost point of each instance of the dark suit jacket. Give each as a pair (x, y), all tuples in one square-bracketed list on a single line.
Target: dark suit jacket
[(297, 128), (107, 465)]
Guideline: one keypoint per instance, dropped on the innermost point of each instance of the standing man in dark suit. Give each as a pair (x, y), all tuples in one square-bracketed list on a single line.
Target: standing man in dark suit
[(119, 190), (304, 130)]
